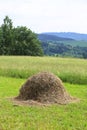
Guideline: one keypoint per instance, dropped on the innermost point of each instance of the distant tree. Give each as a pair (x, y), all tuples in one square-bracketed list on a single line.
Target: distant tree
[(57, 48), (1, 39), (85, 55)]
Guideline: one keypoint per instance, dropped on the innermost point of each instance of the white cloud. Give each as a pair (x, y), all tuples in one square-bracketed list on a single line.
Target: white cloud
[(47, 15)]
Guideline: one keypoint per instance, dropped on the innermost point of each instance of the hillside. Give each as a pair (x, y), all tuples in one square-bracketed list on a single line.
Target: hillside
[(71, 35), (52, 37), (64, 44)]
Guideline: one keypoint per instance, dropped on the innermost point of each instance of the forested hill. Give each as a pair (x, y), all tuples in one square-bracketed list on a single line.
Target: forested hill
[(64, 44), (52, 37), (71, 35)]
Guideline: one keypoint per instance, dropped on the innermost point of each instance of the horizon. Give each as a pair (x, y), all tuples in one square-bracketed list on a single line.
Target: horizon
[(63, 32), (47, 15)]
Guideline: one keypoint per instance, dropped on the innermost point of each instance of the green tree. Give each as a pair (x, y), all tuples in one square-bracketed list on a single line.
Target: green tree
[(7, 35), (1, 39), (85, 55), (18, 41), (26, 42)]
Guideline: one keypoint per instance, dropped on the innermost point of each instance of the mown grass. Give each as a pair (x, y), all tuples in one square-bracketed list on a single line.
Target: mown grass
[(68, 69), (56, 117)]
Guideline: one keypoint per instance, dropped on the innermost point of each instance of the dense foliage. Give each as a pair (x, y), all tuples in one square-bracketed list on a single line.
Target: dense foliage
[(61, 49), (18, 41)]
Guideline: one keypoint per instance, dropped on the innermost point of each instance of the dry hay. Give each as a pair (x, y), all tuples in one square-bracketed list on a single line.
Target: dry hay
[(43, 88)]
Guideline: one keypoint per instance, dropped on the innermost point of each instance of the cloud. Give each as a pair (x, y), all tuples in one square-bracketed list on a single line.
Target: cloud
[(47, 15)]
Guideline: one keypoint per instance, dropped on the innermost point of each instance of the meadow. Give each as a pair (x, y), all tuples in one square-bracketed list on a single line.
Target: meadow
[(14, 70), (68, 69)]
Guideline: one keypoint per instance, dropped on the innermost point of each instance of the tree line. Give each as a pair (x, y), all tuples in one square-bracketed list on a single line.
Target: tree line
[(60, 49), (18, 40)]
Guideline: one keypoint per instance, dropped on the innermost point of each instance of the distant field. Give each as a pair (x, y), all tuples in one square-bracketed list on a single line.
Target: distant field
[(76, 43), (68, 69)]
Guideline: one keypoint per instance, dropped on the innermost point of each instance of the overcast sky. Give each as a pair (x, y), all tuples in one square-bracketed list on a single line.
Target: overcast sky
[(46, 15)]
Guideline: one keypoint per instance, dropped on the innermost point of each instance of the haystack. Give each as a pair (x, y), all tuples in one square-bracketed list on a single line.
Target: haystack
[(45, 88)]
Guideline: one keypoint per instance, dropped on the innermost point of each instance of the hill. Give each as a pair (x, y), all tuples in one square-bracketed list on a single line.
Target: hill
[(64, 44), (51, 37), (71, 35)]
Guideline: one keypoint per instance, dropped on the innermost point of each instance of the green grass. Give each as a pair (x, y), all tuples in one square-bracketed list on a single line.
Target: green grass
[(68, 69), (13, 73), (56, 117)]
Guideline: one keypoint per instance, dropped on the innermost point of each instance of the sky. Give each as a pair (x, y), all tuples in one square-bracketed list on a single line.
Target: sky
[(46, 15)]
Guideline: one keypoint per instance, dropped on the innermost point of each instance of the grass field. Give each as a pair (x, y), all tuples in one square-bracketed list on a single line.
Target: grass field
[(13, 73), (68, 69)]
